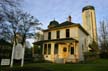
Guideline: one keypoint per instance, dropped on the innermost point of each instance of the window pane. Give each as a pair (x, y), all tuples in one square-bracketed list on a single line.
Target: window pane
[(49, 35), (49, 48), (45, 48), (56, 49), (58, 34), (67, 33), (72, 50)]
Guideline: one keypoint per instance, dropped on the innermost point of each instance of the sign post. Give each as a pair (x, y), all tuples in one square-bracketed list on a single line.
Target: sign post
[(22, 62), (11, 65)]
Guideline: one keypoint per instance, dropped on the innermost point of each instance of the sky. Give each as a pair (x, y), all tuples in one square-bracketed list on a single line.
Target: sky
[(48, 10)]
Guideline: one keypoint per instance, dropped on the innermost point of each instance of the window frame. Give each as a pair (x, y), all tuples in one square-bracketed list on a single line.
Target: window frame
[(49, 49), (72, 50), (67, 33), (56, 46), (57, 34), (45, 49), (49, 35)]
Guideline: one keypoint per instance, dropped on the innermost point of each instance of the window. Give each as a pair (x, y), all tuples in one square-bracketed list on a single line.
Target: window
[(57, 34), (67, 33), (65, 49), (49, 35), (45, 48), (72, 50), (56, 49), (49, 48)]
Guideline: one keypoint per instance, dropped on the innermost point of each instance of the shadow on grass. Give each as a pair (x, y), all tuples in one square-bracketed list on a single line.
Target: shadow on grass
[(26, 69)]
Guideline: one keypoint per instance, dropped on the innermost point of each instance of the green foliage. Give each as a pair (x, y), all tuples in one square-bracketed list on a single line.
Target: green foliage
[(37, 49), (28, 55), (98, 61), (90, 56), (89, 53), (104, 55), (94, 47), (103, 36)]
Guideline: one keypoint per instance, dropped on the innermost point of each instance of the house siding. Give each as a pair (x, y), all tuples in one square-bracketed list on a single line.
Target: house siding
[(82, 46)]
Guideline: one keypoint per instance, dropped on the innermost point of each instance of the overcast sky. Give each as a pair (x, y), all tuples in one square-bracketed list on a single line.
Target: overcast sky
[(46, 10)]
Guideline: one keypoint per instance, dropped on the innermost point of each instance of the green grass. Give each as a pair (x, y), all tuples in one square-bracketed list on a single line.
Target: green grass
[(72, 67), (99, 61), (97, 65)]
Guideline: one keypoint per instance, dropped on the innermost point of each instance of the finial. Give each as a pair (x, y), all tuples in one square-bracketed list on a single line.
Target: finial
[(69, 18)]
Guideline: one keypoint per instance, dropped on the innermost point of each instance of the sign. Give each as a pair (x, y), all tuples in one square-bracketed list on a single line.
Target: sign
[(18, 52), (5, 61)]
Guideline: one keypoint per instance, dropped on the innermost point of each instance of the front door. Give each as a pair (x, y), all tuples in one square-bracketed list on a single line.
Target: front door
[(65, 52)]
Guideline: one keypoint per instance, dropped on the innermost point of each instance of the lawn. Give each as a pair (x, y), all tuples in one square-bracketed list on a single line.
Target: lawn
[(97, 65)]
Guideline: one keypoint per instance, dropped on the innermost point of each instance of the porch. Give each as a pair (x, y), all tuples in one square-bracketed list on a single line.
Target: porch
[(61, 51)]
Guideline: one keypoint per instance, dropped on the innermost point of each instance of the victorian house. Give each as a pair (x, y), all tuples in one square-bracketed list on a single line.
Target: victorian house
[(67, 41), (64, 42)]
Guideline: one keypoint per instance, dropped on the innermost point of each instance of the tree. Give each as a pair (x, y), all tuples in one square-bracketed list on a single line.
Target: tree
[(4, 29), (39, 36), (6, 7), (103, 39), (19, 23), (94, 47), (103, 36)]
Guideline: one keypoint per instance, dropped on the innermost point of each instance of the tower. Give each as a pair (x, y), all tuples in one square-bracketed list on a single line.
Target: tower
[(89, 22)]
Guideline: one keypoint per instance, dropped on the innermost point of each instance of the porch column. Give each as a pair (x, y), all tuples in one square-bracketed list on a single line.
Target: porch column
[(52, 52), (43, 49)]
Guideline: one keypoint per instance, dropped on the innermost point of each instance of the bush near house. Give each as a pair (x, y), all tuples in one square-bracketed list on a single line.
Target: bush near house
[(89, 56), (38, 58), (104, 55)]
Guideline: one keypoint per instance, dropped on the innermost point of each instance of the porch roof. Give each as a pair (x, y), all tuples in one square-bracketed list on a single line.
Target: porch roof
[(55, 40)]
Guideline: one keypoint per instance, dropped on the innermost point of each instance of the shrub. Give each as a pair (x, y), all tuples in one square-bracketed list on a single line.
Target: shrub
[(88, 56), (103, 55)]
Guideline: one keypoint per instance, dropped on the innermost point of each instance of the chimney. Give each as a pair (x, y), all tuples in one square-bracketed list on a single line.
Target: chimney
[(69, 18)]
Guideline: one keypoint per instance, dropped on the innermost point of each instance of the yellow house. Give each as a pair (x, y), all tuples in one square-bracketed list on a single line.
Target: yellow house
[(64, 42), (67, 41)]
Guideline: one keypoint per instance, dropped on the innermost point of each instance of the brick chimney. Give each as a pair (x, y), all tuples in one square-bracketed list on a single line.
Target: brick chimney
[(69, 18)]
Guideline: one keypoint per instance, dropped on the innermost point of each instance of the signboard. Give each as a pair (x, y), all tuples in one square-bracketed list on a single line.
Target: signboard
[(5, 61), (18, 52)]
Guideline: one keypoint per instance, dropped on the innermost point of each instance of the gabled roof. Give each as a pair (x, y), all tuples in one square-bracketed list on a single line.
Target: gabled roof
[(66, 24), (56, 24)]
